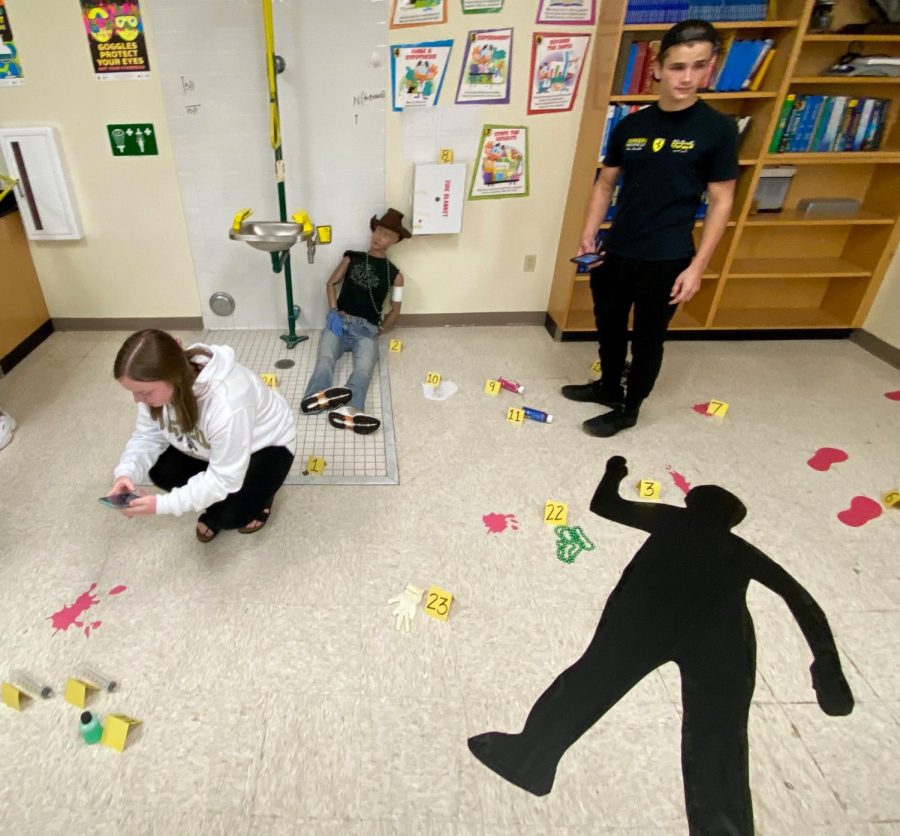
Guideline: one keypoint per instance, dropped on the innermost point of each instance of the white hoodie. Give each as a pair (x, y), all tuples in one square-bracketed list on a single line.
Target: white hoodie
[(239, 415)]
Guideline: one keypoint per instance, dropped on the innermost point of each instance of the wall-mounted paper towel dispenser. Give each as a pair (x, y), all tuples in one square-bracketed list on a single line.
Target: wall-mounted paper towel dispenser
[(43, 191)]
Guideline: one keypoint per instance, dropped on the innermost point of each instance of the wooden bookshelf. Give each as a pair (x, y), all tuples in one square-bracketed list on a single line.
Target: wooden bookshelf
[(779, 271)]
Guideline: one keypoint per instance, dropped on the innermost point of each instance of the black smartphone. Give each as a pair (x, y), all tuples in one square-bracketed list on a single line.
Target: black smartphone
[(587, 260), (117, 500)]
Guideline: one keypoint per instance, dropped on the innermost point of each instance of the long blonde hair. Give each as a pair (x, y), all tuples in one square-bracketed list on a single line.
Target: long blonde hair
[(151, 355)]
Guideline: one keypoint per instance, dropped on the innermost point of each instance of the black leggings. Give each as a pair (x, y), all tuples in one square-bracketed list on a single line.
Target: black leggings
[(617, 285), (266, 473)]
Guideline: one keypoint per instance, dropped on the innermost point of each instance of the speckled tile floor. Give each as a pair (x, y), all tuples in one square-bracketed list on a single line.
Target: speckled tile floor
[(277, 698)]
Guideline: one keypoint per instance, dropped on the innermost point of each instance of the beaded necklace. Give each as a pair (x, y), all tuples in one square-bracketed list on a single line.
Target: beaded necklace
[(387, 275)]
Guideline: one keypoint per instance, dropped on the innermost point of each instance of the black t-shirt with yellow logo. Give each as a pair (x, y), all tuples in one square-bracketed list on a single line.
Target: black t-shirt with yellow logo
[(667, 159)]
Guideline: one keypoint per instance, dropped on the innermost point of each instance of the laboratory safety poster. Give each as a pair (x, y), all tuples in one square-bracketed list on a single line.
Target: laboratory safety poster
[(557, 60), (485, 72), (417, 73), (474, 7), (501, 168), (579, 12), (10, 64), (418, 13), (115, 33)]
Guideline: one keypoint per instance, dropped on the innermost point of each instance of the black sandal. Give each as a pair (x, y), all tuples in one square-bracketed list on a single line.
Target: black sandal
[(263, 518)]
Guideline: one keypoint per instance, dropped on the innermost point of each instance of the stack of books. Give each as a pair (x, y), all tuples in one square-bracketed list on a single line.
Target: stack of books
[(741, 67), (817, 123), (672, 11)]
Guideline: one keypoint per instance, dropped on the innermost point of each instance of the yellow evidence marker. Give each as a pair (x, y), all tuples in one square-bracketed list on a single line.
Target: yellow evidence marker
[(717, 408), (316, 464), (433, 379), (596, 367), (78, 691), (13, 696), (270, 380), (648, 489), (395, 345), (446, 155), (115, 730), (556, 513), (437, 602), (892, 499), (492, 387)]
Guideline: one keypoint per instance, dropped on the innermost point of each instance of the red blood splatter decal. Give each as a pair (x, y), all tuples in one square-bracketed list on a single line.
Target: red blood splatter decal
[(861, 510), (701, 408), (678, 479), (824, 457), (500, 522), (893, 396), (70, 614)]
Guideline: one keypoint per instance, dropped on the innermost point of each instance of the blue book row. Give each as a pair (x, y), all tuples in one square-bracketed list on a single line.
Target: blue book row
[(740, 65), (614, 115), (817, 123), (672, 11)]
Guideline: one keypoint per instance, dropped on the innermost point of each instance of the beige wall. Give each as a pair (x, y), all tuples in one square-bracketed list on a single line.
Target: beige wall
[(481, 269), (884, 318), (134, 259)]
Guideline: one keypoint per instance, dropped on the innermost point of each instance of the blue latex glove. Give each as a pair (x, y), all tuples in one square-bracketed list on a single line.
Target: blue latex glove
[(334, 323)]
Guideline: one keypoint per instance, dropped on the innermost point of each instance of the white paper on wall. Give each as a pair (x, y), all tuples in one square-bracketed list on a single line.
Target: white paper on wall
[(426, 132)]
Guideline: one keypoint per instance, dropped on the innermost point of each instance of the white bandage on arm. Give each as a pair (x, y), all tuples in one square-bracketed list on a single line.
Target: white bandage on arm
[(397, 293)]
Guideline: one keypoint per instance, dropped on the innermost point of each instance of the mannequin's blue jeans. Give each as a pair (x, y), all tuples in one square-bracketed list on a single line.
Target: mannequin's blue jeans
[(361, 338)]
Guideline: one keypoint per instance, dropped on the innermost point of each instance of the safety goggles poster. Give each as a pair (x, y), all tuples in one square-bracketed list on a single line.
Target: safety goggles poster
[(556, 64), (115, 33), (502, 163), (474, 7), (485, 72), (418, 13), (417, 73), (579, 12), (10, 66)]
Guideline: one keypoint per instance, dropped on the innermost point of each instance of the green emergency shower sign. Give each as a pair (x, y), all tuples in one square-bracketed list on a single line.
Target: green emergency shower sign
[(132, 140)]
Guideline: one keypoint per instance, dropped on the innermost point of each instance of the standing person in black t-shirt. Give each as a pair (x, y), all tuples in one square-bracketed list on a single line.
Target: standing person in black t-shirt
[(354, 323), (667, 154)]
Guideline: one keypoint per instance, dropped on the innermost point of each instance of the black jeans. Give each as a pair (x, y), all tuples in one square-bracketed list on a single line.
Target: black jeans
[(266, 473), (617, 285)]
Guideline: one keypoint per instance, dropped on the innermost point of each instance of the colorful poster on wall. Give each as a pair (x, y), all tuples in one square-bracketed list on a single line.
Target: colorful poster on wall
[(579, 12), (556, 64), (418, 13), (10, 66), (474, 7), (502, 169), (486, 67), (115, 33), (417, 73)]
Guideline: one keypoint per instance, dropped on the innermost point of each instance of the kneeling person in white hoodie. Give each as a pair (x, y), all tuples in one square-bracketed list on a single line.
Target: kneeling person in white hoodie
[(208, 430)]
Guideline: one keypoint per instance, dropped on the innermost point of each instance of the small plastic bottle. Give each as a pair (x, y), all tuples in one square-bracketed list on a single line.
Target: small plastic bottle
[(537, 415), (92, 675), (511, 385), (91, 730), (23, 681)]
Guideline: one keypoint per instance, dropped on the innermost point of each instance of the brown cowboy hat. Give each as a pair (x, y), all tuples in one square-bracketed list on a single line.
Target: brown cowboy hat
[(390, 220)]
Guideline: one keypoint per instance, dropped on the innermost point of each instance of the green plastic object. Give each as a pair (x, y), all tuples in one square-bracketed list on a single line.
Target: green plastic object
[(91, 730)]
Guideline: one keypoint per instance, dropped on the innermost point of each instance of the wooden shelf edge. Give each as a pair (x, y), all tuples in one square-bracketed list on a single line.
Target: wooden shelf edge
[(719, 24), (838, 79), (890, 156), (638, 98), (836, 38)]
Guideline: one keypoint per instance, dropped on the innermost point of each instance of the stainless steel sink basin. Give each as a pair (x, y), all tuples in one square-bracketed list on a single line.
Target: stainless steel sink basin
[(270, 236)]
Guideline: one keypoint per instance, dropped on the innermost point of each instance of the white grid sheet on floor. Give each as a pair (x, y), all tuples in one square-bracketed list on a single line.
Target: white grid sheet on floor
[(350, 459)]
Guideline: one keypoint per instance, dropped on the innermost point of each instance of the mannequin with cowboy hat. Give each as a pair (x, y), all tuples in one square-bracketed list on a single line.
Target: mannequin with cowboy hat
[(354, 323)]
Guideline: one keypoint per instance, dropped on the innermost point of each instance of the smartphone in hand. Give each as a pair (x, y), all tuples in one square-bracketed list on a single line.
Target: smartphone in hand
[(587, 259), (118, 500)]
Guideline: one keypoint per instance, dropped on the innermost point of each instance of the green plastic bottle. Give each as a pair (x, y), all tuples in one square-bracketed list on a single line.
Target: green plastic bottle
[(91, 730)]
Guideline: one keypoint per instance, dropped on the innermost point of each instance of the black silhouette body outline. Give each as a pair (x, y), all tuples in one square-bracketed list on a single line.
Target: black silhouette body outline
[(681, 599)]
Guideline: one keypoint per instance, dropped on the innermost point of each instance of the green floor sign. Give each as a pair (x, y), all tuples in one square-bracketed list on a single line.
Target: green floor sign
[(132, 140)]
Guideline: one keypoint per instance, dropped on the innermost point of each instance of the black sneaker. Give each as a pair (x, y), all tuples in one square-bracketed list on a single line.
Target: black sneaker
[(326, 399), (348, 418), (594, 392), (610, 423)]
